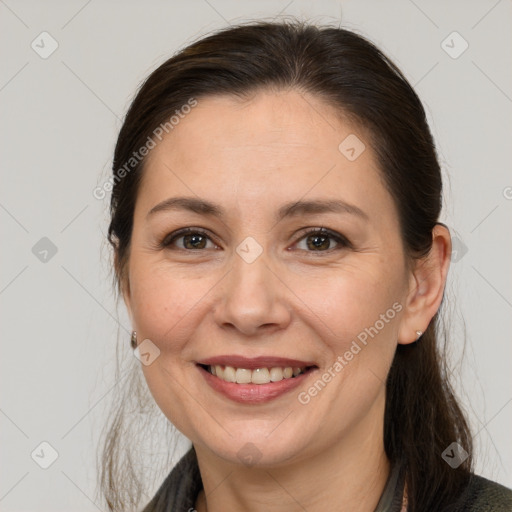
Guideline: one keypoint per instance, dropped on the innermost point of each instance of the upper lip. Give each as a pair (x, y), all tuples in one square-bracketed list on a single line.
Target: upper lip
[(251, 363)]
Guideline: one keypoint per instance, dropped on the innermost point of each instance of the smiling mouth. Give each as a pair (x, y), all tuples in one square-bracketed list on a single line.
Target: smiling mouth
[(264, 375)]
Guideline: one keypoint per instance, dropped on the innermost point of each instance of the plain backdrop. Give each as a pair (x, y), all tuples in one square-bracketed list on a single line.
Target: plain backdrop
[(60, 117)]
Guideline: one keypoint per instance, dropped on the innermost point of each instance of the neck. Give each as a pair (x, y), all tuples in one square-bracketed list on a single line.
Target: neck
[(351, 475)]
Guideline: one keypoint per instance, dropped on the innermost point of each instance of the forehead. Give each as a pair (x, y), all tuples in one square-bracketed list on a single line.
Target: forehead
[(285, 124), (272, 147)]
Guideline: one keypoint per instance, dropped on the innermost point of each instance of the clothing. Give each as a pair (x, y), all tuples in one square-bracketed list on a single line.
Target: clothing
[(179, 491)]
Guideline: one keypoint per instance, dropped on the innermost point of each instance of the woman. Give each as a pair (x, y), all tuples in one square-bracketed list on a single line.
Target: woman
[(275, 224)]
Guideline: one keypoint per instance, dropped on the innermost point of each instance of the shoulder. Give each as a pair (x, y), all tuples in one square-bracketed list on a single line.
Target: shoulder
[(484, 495)]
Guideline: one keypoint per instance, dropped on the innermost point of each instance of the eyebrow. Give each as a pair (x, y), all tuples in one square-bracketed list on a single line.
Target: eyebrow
[(293, 209)]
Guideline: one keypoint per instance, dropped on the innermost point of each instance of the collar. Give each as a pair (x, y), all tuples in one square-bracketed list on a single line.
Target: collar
[(182, 486)]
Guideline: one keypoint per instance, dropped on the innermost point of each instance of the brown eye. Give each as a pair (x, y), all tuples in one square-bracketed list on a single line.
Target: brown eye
[(187, 240), (318, 242), (195, 241), (322, 240)]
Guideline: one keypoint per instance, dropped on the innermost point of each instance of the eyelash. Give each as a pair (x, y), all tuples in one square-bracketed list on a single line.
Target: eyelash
[(339, 239)]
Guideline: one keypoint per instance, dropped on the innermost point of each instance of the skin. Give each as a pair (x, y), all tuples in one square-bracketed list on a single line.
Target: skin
[(251, 156)]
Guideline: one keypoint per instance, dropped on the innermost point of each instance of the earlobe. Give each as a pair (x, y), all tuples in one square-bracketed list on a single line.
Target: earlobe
[(427, 284)]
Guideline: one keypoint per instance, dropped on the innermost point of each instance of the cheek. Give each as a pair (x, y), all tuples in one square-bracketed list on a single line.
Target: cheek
[(357, 320), (167, 308), (345, 304), (165, 303)]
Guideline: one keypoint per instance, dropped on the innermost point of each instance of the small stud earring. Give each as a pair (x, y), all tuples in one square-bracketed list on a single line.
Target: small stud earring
[(134, 339), (418, 335)]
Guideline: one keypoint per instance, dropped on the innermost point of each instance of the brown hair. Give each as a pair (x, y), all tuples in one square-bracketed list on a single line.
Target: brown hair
[(422, 416)]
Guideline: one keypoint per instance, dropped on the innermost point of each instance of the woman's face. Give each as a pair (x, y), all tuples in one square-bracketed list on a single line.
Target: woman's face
[(252, 288)]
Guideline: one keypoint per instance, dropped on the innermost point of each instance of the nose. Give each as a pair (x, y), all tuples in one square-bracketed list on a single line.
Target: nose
[(252, 299)]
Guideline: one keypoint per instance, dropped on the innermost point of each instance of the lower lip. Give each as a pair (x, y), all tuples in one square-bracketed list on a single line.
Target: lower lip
[(253, 393)]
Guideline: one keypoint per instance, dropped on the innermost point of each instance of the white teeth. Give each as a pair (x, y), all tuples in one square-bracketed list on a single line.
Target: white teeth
[(229, 374), (256, 376), (243, 376), (260, 376), (287, 372), (276, 374)]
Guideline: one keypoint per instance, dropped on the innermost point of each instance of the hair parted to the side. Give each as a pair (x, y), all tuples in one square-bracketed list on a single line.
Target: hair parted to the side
[(422, 416)]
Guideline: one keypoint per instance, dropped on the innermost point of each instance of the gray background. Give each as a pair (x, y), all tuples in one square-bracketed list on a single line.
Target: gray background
[(60, 117)]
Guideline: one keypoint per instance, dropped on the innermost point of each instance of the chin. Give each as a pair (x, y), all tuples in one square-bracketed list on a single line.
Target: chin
[(248, 448)]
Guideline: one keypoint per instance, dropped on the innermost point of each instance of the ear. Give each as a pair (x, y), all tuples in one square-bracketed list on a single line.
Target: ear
[(124, 283), (426, 286)]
